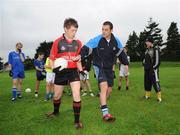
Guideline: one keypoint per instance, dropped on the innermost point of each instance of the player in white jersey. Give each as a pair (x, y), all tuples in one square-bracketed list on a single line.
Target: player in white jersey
[(123, 73)]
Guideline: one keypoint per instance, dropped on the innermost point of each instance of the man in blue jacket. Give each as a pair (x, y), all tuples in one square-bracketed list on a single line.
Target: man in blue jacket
[(105, 48)]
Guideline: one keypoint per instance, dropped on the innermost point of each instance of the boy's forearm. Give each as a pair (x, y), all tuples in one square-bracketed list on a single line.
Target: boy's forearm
[(38, 69), (21, 57), (47, 66), (51, 64)]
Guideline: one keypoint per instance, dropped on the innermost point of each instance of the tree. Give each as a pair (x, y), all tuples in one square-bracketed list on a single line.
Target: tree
[(153, 31), (132, 44), (173, 43), (28, 63), (44, 47), (141, 47)]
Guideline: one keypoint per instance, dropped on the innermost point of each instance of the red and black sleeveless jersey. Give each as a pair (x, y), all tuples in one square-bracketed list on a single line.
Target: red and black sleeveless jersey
[(62, 48)]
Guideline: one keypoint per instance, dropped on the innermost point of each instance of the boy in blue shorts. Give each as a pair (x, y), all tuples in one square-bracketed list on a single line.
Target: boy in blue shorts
[(40, 71), (16, 66)]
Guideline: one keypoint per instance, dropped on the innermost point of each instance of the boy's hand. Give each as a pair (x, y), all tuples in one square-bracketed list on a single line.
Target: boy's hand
[(19, 51), (77, 58), (57, 69), (10, 73)]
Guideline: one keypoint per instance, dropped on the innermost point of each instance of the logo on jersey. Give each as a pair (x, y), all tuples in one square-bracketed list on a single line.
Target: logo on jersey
[(70, 45), (63, 48), (76, 48)]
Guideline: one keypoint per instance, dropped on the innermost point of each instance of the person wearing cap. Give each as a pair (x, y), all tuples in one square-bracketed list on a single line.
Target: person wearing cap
[(151, 64)]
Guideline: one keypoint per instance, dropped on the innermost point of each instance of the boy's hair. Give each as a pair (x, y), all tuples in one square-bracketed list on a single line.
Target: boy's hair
[(68, 22), (19, 43), (40, 53), (108, 23)]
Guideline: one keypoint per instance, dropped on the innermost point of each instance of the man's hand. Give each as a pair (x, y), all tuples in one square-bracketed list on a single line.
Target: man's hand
[(84, 75), (154, 67)]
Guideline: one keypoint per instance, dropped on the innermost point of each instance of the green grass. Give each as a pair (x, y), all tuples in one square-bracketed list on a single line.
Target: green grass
[(134, 115)]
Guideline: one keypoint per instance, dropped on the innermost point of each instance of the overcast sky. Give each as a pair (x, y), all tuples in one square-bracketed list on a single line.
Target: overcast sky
[(34, 21)]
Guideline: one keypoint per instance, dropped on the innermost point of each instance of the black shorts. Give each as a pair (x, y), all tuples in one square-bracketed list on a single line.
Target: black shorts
[(40, 76), (66, 76), (106, 75)]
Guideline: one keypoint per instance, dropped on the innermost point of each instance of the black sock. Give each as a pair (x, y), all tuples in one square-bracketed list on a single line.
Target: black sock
[(77, 109), (56, 105)]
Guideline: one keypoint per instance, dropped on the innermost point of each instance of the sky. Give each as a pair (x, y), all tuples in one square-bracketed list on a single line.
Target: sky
[(34, 21)]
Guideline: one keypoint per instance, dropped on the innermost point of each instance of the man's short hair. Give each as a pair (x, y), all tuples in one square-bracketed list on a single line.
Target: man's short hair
[(68, 22), (108, 23)]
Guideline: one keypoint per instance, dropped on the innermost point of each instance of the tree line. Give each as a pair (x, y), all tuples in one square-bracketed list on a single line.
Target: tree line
[(136, 42)]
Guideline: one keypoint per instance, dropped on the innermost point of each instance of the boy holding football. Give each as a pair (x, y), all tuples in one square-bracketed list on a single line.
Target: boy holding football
[(67, 47)]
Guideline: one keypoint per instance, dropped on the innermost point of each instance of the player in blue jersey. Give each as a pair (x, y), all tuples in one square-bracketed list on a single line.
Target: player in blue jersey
[(105, 48), (40, 71), (16, 66)]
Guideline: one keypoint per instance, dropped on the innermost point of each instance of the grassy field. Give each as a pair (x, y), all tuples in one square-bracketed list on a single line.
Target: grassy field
[(134, 115)]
